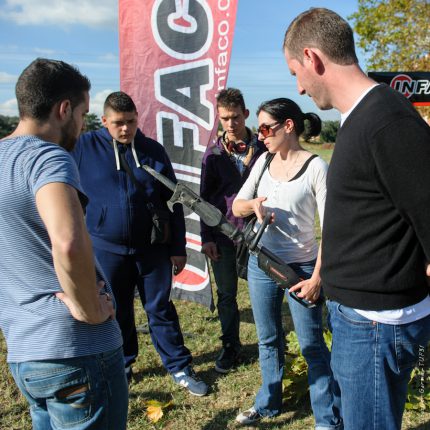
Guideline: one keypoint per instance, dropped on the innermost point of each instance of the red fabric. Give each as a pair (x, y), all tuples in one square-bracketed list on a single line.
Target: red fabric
[(173, 62)]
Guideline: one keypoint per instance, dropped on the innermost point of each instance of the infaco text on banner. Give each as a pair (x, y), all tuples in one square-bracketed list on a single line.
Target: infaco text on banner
[(174, 59)]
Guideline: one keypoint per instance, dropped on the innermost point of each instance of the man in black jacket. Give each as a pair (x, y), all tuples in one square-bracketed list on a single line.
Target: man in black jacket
[(225, 167), (376, 239)]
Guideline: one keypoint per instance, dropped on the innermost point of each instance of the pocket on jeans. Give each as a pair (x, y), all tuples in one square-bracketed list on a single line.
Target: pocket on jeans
[(66, 389), (407, 348), (352, 317)]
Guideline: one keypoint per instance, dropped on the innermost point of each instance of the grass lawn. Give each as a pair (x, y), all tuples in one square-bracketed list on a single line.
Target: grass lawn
[(228, 394)]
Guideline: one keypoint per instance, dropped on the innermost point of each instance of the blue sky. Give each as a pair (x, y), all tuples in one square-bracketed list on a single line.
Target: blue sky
[(85, 33)]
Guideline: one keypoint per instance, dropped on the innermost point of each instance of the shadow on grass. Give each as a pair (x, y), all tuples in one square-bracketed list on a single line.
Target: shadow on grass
[(137, 410), (150, 371), (246, 316), (249, 355), (161, 396), (221, 420), (225, 419), (423, 426)]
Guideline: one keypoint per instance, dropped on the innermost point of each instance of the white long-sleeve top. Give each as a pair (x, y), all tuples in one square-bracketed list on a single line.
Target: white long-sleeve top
[(292, 235)]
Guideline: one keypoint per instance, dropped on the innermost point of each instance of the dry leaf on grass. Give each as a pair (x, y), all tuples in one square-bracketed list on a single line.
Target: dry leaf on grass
[(154, 409)]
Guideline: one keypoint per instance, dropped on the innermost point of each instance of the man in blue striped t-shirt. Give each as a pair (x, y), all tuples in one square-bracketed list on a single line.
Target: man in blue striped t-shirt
[(64, 345)]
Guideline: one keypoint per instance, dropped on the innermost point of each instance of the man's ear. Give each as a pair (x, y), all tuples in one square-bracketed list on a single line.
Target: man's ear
[(313, 58), (64, 109), (246, 113), (104, 121)]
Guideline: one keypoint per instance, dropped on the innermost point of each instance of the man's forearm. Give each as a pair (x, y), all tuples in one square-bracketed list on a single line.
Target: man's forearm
[(74, 265), (60, 210)]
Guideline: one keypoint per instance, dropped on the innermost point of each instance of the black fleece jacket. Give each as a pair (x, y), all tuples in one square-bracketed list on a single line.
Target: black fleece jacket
[(376, 235)]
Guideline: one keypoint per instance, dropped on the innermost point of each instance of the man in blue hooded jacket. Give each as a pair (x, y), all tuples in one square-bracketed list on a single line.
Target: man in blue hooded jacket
[(123, 198)]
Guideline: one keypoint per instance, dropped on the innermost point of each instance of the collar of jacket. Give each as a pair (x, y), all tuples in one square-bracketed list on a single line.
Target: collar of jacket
[(219, 147), (115, 144)]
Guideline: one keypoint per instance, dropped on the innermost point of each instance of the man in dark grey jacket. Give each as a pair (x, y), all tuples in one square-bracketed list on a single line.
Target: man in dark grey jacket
[(225, 167)]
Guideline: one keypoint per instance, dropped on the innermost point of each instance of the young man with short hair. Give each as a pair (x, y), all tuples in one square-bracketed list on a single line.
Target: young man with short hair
[(225, 167), (64, 344), (123, 198)]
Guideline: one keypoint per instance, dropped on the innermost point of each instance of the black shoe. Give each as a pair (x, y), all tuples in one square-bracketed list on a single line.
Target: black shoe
[(228, 359)]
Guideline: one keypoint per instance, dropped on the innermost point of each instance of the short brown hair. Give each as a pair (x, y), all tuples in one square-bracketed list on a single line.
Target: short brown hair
[(230, 97), (323, 29), (119, 101), (43, 83)]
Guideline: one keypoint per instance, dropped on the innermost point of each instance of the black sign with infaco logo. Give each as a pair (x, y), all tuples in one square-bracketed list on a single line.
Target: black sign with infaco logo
[(413, 85)]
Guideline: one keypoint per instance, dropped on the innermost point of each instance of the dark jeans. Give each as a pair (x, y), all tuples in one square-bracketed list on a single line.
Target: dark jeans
[(226, 281), (152, 274)]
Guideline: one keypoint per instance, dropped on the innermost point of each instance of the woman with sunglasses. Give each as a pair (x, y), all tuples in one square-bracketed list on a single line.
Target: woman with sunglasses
[(292, 188)]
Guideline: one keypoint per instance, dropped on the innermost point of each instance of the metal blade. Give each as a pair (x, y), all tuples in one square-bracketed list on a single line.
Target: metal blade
[(160, 177)]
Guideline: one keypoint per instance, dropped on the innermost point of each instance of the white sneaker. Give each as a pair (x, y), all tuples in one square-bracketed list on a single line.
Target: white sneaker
[(249, 416)]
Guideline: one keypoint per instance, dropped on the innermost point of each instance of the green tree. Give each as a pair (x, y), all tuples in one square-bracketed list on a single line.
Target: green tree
[(92, 122), (395, 35), (329, 131), (7, 125)]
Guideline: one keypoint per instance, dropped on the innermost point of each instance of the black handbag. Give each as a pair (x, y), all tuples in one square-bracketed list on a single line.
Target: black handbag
[(242, 251), (161, 233)]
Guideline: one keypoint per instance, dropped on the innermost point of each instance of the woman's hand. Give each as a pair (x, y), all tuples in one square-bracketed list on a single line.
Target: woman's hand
[(308, 289), (259, 210)]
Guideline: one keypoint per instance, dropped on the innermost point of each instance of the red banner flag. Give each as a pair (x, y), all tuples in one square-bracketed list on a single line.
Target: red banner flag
[(174, 58)]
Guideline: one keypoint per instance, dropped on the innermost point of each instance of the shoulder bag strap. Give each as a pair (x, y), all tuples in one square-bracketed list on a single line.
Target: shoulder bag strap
[(269, 158)]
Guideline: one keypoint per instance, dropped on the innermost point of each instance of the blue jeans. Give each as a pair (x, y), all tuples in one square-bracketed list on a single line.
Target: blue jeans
[(226, 281), (372, 363), (88, 392), (266, 301)]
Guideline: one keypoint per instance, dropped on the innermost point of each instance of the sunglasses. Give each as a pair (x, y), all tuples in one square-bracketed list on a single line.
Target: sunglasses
[(267, 129)]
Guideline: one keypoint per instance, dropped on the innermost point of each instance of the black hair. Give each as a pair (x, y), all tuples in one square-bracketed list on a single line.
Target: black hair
[(46, 82), (281, 109)]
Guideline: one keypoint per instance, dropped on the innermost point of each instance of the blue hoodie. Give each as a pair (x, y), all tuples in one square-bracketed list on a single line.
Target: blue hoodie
[(117, 216)]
